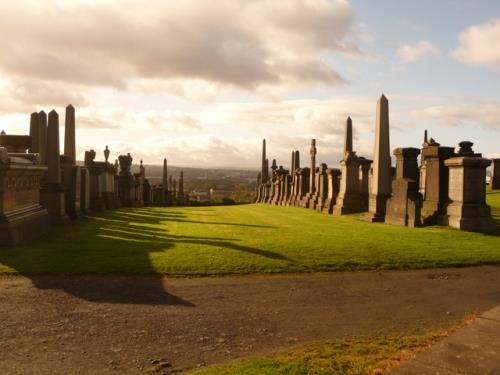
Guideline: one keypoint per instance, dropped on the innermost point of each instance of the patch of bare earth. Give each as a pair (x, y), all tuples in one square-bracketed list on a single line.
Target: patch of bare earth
[(140, 324)]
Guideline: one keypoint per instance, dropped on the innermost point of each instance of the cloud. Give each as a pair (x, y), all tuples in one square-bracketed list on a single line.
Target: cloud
[(236, 43), (479, 45), (417, 51), (480, 113)]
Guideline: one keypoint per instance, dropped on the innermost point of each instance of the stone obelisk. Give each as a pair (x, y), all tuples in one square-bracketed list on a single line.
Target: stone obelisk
[(52, 192), (348, 136), (69, 134), (380, 188), (42, 136), (265, 167), (165, 175), (312, 177), (34, 133)]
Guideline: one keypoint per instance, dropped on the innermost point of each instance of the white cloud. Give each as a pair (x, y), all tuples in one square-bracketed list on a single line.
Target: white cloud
[(417, 51), (479, 45)]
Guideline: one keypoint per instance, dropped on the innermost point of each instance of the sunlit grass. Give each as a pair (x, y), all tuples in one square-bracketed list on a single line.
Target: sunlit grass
[(244, 239)]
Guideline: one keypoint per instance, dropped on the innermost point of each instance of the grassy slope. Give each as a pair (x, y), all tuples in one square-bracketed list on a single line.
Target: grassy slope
[(241, 239), (364, 355)]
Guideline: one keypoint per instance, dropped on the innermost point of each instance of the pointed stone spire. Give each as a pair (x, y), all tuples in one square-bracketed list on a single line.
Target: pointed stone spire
[(348, 136), (380, 188), (297, 159), (292, 165), (264, 170), (312, 176), (42, 136), (52, 152), (34, 133), (425, 137), (181, 183), (165, 175), (69, 134)]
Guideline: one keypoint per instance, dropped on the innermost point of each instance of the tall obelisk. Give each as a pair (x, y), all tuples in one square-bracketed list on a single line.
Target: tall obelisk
[(348, 136), (69, 134), (380, 187)]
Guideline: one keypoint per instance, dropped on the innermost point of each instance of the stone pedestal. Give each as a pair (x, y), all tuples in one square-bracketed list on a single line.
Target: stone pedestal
[(403, 208), (322, 187), (434, 186), (84, 190), (467, 191), (333, 176), (364, 180), (71, 180), (495, 175), (349, 199)]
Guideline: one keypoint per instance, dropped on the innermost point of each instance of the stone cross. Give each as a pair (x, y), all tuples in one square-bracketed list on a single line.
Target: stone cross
[(69, 134)]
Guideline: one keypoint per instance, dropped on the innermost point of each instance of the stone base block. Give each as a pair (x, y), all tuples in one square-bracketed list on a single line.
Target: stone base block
[(52, 198), (469, 217), (23, 226), (350, 204), (328, 206), (376, 209)]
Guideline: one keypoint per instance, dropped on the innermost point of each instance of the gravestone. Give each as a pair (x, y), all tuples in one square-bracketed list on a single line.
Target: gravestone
[(52, 191), (34, 148), (467, 209), (364, 180), (306, 200), (322, 187), (380, 186), (435, 176), (403, 208), (84, 190), (349, 198), (333, 176), (495, 174), (42, 137)]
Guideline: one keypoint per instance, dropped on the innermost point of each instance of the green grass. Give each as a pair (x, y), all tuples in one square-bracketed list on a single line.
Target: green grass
[(365, 355), (244, 239)]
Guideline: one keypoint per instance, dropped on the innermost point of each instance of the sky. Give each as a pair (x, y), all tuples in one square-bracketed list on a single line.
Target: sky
[(202, 82)]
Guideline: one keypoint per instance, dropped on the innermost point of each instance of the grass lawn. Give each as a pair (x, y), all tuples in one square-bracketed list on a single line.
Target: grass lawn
[(243, 239), (365, 355)]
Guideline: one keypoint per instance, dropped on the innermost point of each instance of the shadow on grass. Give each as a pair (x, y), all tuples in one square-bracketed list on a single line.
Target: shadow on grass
[(119, 242)]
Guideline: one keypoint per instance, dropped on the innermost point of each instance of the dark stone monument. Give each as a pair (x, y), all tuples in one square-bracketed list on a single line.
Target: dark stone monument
[(495, 174), (306, 201), (333, 176), (403, 208)]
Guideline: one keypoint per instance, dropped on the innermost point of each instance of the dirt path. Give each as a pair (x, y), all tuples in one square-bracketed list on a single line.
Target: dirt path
[(110, 324)]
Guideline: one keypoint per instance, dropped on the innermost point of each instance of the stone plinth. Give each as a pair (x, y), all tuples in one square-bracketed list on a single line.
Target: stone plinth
[(333, 177), (495, 175), (84, 190), (434, 181), (22, 218), (467, 192), (349, 198), (403, 208), (15, 143), (71, 181)]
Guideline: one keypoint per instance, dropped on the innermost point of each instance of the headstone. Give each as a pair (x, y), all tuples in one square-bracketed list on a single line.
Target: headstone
[(52, 191), (435, 176), (126, 182), (306, 201), (84, 190), (495, 175), (364, 180), (42, 137), (69, 134), (34, 149), (349, 198), (380, 187), (322, 187), (333, 176), (467, 209), (404, 206)]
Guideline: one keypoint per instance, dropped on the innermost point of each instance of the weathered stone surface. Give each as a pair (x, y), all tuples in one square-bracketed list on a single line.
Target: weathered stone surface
[(52, 192), (403, 208), (349, 198), (84, 190), (495, 175), (380, 186), (306, 200), (364, 180), (434, 180), (333, 179), (322, 188), (69, 134), (22, 218), (42, 136), (34, 133), (467, 191)]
